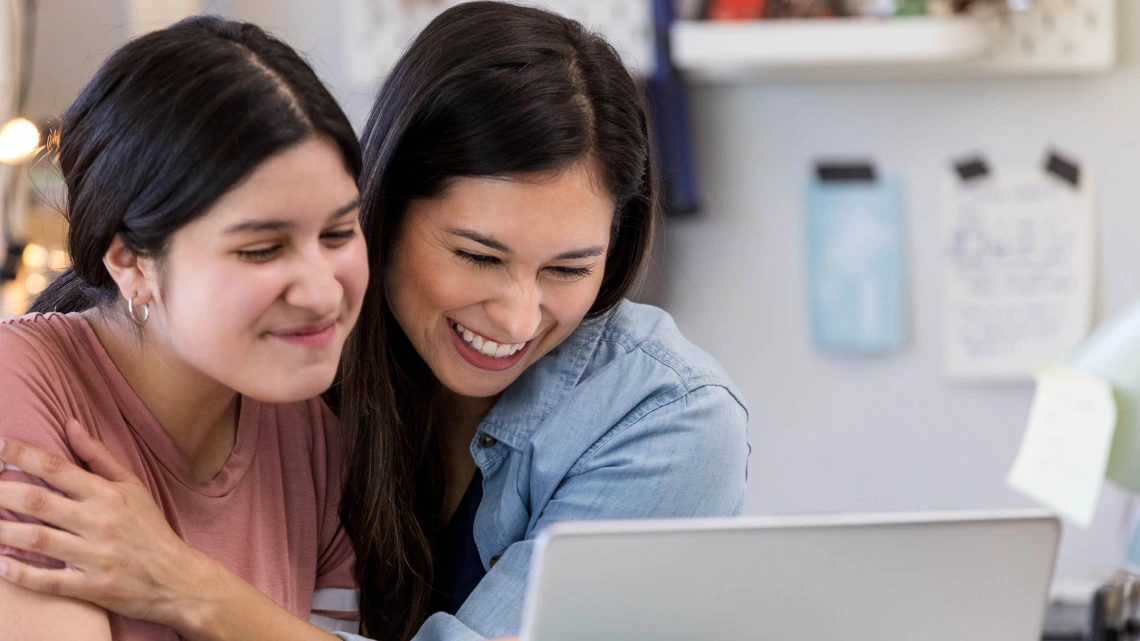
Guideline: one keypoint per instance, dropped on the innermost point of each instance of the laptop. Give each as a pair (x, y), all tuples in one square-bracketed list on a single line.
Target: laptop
[(901, 577)]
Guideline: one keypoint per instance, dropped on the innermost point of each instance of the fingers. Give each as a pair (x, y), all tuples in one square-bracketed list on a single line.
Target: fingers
[(92, 451), (42, 540), (40, 503), (58, 582), (51, 468)]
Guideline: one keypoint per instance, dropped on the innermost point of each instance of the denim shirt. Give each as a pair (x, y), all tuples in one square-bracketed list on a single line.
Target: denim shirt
[(625, 419)]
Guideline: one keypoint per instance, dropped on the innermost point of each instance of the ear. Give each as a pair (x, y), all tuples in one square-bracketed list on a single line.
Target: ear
[(128, 271)]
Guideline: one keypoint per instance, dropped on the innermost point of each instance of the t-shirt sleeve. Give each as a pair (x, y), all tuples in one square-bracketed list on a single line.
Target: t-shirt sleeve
[(31, 410), (335, 597)]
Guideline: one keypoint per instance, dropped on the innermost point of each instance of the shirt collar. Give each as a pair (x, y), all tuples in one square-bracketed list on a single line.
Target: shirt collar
[(525, 404)]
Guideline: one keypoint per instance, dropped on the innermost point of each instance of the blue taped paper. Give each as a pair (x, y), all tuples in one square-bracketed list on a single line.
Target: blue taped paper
[(856, 265)]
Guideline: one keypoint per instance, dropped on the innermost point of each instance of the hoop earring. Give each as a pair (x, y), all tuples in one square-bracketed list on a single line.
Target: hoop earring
[(134, 315)]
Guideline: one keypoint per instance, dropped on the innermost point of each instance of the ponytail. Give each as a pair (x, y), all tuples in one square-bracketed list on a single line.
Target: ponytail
[(68, 293)]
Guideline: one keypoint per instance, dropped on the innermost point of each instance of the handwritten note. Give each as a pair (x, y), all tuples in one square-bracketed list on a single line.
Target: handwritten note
[(1019, 261), (1064, 452)]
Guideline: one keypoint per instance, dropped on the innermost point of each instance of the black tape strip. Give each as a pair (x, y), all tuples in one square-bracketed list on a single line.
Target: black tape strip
[(1063, 168), (972, 168), (845, 172)]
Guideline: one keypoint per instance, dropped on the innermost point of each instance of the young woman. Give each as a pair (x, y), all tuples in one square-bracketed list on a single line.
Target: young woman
[(497, 382), (217, 268)]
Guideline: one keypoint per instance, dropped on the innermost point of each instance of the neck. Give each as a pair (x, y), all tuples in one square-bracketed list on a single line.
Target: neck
[(459, 421), (463, 414), (198, 413)]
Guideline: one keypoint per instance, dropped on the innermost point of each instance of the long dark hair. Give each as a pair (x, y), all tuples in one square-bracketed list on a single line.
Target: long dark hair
[(487, 89), (169, 123)]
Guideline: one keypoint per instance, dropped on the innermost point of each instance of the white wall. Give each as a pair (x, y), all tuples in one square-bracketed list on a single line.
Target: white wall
[(852, 434)]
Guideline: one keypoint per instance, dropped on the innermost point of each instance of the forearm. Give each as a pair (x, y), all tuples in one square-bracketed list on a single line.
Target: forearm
[(223, 607), (29, 615)]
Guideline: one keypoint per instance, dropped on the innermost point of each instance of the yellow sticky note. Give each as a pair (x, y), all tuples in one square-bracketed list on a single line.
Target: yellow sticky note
[(1064, 453)]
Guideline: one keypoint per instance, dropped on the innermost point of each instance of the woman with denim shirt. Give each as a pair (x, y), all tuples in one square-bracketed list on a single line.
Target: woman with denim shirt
[(498, 381)]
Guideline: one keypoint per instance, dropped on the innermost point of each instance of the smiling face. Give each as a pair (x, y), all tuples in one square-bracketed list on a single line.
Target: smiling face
[(495, 273), (260, 292)]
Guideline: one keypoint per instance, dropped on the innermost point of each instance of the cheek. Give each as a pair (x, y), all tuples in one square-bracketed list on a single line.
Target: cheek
[(217, 311), (352, 273), (424, 287)]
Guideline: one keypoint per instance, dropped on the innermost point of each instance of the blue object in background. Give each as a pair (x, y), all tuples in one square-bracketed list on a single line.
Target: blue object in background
[(670, 114), (856, 265)]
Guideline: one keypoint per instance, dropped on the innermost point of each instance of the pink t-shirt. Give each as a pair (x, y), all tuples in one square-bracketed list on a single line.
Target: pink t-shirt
[(270, 515)]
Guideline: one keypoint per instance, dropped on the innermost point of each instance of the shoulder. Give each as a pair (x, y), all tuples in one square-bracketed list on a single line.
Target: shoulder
[(643, 343), (644, 386), (23, 338), (39, 352)]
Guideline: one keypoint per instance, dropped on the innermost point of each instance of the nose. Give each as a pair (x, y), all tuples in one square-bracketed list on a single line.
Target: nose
[(315, 287), (516, 314)]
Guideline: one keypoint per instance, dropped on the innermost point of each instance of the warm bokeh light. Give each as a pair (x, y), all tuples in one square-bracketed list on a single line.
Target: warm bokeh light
[(35, 283), (58, 261), (35, 256), (18, 141)]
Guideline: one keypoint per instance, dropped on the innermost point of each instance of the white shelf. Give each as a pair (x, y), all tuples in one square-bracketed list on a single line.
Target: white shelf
[(1075, 36), (810, 44)]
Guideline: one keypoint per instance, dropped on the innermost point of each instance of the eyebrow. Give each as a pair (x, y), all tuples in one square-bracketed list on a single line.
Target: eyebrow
[(267, 224), (487, 241)]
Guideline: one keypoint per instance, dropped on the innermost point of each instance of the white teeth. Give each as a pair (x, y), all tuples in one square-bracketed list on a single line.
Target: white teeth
[(486, 347)]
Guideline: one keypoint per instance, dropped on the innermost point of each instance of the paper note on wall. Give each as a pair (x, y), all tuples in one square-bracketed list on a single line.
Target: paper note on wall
[(856, 262), (1064, 452), (1019, 268)]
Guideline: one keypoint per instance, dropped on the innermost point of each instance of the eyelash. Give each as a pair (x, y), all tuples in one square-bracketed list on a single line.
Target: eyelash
[(260, 255), (483, 262)]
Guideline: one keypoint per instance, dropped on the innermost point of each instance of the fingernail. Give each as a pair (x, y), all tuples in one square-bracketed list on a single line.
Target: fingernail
[(1, 445), (3, 568)]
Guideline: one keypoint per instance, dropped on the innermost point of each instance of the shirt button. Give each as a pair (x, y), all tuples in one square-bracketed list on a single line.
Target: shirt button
[(495, 559), (487, 441)]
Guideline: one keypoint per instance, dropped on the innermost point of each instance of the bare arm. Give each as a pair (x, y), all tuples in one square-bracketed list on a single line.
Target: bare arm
[(30, 615), (235, 611)]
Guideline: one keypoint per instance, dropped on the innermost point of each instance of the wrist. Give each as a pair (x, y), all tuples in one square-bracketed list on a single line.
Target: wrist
[(196, 606)]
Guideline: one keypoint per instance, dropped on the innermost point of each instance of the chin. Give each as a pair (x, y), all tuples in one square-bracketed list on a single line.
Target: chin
[(470, 388), (293, 388)]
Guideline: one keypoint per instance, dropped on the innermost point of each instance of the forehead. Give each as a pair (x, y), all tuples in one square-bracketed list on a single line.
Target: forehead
[(554, 210), (303, 184)]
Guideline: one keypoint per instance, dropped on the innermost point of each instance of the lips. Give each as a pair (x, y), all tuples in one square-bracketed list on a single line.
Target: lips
[(482, 360), (309, 336)]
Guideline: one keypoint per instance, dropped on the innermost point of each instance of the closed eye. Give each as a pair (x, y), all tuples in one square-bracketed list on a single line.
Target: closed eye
[(478, 260), (571, 273), (340, 236), (259, 255)]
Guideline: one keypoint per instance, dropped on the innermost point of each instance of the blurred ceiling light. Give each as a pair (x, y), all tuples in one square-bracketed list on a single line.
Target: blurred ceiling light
[(19, 140), (35, 256)]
